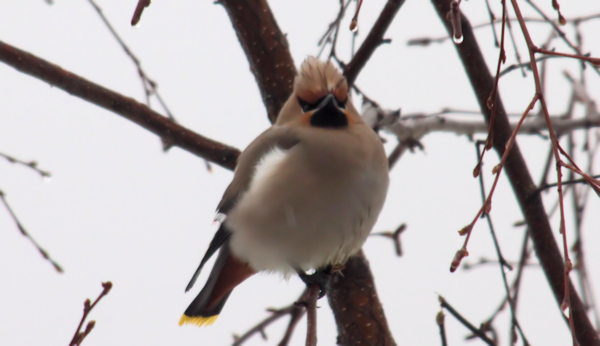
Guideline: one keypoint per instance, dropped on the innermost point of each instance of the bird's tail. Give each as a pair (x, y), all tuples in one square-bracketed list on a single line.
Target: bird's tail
[(227, 273)]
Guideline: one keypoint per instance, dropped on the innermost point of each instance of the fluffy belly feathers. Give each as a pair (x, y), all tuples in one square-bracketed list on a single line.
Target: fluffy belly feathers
[(309, 224)]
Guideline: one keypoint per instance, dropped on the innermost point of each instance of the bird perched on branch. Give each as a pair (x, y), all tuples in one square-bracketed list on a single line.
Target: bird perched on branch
[(305, 194)]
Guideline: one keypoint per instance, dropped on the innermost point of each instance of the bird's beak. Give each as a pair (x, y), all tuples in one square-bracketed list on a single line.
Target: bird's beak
[(329, 113)]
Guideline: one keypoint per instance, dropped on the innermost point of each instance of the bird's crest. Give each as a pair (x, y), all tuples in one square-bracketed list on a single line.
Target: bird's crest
[(317, 79)]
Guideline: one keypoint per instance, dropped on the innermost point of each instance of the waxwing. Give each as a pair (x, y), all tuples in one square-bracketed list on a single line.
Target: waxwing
[(305, 194)]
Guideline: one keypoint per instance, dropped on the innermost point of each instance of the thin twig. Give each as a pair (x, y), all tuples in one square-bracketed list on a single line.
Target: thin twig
[(87, 308), (486, 261), (395, 237), (373, 40), (294, 310), (501, 259), (523, 65), (149, 85), (465, 323), (426, 41), (24, 232), (492, 18), (337, 27), (439, 319), (311, 312), (566, 303), (595, 61), (487, 205), (333, 29), (30, 164), (560, 33), (514, 44), (519, 176), (492, 99), (567, 182)]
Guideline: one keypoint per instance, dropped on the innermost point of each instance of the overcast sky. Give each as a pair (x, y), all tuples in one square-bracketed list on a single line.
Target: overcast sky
[(118, 208)]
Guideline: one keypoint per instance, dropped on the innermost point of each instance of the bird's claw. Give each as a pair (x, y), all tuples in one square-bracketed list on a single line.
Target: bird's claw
[(321, 278)]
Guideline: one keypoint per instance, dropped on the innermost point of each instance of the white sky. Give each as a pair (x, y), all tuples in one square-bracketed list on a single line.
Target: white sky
[(119, 209)]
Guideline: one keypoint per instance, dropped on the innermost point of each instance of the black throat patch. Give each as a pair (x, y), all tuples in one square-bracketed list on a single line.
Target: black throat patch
[(329, 116)]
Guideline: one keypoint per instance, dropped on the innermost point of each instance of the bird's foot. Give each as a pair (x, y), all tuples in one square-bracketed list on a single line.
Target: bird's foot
[(321, 278)]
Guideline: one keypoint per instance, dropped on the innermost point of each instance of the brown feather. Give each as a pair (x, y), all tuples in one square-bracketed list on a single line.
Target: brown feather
[(317, 79), (233, 273)]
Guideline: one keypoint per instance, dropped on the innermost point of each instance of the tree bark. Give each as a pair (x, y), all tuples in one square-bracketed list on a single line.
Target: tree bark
[(266, 48), (356, 307), (127, 107)]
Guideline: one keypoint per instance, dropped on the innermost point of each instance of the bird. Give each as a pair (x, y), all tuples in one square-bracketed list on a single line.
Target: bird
[(305, 194)]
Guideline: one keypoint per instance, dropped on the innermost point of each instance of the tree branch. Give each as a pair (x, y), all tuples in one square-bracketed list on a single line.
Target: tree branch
[(524, 188), (356, 307), (26, 234), (129, 108), (415, 127), (372, 41), (266, 48), (87, 308)]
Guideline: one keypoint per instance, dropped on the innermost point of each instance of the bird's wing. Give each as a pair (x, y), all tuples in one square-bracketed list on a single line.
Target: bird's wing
[(219, 239), (282, 137), (275, 137)]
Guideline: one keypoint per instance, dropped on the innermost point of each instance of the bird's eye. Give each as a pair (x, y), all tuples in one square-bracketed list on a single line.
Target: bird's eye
[(307, 107)]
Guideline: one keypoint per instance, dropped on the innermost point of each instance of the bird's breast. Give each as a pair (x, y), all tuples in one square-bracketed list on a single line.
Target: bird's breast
[(305, 209)]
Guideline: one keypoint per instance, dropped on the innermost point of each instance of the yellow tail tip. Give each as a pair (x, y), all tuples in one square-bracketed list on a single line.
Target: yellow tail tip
[(198, 320)]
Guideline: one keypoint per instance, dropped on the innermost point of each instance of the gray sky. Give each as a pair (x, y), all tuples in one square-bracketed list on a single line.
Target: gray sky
[(117, 208)]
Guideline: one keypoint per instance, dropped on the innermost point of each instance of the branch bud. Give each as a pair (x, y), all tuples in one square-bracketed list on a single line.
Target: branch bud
[(460, 254), (476, 170), (496, 168), (568, 266), (465, 230), (86, 305)]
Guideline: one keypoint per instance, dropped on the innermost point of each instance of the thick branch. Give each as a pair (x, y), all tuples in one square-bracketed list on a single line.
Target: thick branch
[(524, 188), (129, 108), (266, 49), (358, 312), (372, 41)]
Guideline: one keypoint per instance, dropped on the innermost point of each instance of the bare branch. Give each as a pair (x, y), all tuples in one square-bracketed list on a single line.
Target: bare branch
[(87, 308), (501, 260), (416, 126), (480, 334), (27, 235), (519, 177), (140, 114), (296, 310), (395, 237), (567, 182), (149, 85), (425, 41), (30, 164), (372, 41)]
